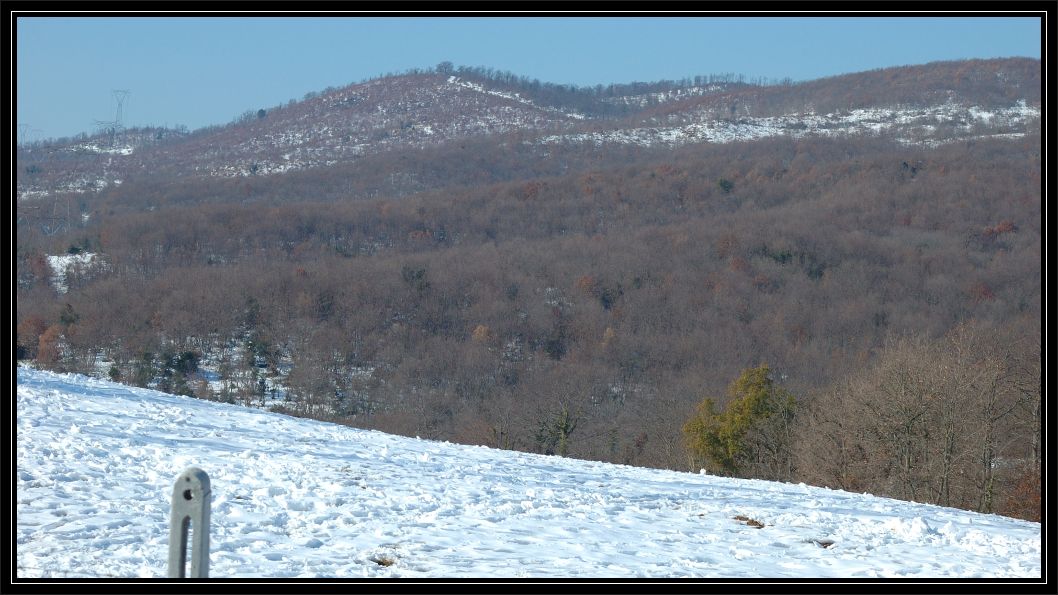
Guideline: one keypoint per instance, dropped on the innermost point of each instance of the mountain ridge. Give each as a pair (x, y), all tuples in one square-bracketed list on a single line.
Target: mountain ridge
[(937, 102)]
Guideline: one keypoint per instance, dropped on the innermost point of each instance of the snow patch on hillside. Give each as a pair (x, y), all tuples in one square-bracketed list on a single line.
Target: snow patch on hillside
[(910, 125), (657, 98), (456, 81), (91, 147), (66, 264)]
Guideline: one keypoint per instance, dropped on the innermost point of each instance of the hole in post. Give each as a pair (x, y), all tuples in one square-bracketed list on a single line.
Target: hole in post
[(188, 536), (187, 495)]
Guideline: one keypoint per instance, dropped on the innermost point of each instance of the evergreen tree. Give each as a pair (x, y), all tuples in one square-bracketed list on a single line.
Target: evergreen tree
[(751, 436)]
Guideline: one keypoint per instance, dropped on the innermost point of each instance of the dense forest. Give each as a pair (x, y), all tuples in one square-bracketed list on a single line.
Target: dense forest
[(851, 312)]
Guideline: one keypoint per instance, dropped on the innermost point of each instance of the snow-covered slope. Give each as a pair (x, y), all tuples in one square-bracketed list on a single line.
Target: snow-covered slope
[(299, 498)]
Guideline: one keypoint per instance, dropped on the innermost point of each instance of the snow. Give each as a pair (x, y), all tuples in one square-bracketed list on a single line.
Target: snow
[(61, 265), (663, 96), (96, 462), (907, 123), (115, 150), (453, 80)]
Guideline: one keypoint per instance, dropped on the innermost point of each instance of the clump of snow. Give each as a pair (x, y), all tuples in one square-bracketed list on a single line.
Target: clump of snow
[(96, 462), (32, 194), (94, 148), (62, 265)]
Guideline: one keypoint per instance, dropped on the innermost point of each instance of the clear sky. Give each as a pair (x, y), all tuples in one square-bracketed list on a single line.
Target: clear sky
[(198, 71)]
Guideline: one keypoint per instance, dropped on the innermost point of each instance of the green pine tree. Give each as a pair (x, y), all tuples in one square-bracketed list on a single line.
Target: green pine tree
[(751, 435)]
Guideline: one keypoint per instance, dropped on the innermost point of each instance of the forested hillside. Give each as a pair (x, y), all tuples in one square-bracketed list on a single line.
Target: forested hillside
[(585, 299)]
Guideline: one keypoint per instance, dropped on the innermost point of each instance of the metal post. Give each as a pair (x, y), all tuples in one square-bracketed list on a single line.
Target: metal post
[(191, 498)]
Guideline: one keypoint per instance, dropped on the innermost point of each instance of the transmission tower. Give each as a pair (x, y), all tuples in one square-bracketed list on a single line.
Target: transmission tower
[(23, 131), (114, 127), (120, 95)]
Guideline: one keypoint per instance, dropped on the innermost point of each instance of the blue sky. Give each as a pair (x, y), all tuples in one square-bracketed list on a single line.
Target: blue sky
[(198, 71)]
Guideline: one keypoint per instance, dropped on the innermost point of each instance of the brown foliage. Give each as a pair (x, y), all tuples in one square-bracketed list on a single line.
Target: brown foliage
[(28, 333), (482, 334), (1023, 500), (49, 351), (981, 292), (629, 270), (942, 421)]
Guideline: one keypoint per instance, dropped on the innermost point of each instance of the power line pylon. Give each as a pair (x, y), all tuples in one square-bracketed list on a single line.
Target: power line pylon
[(120, 95)]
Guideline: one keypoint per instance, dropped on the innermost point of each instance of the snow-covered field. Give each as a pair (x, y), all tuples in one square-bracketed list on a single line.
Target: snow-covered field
[(96, 463)]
